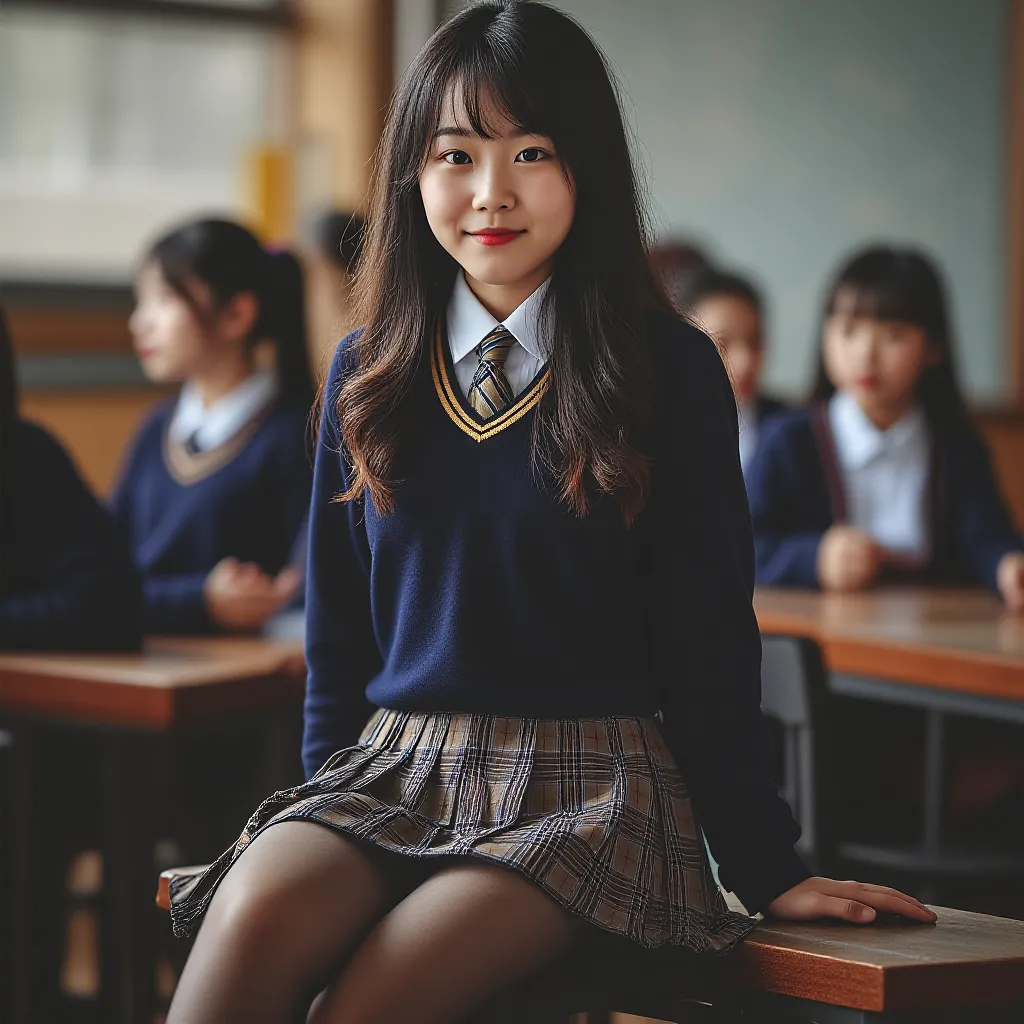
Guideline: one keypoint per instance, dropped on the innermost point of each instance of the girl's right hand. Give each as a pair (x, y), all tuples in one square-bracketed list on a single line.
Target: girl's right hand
[(241, 597), (848, 559)]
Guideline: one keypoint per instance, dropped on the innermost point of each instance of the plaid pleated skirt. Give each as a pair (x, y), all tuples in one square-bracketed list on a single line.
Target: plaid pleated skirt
[(594, 811)]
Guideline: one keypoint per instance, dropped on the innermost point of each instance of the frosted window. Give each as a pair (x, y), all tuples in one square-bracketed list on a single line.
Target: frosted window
[(112, 125)]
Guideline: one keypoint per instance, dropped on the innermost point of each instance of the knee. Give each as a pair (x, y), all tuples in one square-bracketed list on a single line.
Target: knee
[(355, 1003), (252, 916)]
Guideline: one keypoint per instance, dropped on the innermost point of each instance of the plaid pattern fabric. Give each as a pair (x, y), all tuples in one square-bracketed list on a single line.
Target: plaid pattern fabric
[(490, 391), (593, 810)]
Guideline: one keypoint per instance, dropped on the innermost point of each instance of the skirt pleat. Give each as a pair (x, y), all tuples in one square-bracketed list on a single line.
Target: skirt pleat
[(594, 811)]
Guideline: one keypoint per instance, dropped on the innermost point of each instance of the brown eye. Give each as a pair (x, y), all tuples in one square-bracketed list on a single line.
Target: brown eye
[(532, 155), (457, 157)]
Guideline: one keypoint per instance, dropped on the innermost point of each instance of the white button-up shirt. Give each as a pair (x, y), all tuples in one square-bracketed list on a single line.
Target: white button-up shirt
[(469, 323), (209, 427), (885, 476)]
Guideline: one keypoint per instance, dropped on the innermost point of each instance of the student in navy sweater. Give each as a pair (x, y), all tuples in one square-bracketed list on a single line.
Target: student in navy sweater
[(730, 309), (215, 491), (66, 579), (528, 536), (883, 476)]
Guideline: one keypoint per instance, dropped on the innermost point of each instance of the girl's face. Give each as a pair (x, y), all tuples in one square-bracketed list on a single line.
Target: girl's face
[(501, 207), (736, 325), (879, 362), (171, 343)]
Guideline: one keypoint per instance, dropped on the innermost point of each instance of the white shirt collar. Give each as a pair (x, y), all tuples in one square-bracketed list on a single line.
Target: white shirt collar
[(858, 440), (469, 322), (210, 427)]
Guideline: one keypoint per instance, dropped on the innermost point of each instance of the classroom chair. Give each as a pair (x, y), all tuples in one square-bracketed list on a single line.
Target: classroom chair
[(795, 695)]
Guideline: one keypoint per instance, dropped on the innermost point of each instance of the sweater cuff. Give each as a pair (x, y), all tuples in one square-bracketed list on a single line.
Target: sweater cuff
[(759, 882)]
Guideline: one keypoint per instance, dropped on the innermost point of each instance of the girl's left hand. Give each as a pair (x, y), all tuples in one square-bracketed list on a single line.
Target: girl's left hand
[(1010, 580), (849, 901)]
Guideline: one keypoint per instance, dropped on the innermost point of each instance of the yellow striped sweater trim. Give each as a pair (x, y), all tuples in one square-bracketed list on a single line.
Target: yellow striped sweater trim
[(479, 431)]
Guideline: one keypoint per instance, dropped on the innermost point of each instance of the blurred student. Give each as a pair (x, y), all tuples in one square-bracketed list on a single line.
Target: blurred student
[(66, 580), (674, 263), (730, 309), (215, 491), (883, 476), (337, 236)]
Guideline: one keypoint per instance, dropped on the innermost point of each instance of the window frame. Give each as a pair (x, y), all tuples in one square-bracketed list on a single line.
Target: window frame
[(281, 14)]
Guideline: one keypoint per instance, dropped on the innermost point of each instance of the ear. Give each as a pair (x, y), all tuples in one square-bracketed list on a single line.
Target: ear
[(238, 317)]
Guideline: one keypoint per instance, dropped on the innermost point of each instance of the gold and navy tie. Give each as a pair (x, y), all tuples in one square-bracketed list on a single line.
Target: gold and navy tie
[(490, 391)]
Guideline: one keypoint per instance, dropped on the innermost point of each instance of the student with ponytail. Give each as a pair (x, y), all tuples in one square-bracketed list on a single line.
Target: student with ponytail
[(66, 582), (215, 491)]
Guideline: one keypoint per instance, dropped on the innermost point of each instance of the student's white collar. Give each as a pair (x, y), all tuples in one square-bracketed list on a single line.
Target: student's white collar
[(857, 440), (469, 322), (210, 427)]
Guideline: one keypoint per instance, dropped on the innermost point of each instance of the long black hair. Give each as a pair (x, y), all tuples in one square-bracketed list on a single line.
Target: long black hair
[(905, 285), (8, 427), (545, 76), (229, 260)]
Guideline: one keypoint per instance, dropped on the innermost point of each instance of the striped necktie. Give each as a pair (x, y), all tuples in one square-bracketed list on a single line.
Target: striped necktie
[(490, 391)]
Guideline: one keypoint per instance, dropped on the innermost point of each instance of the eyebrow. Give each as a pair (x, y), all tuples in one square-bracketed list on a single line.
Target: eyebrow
[(466, 133)]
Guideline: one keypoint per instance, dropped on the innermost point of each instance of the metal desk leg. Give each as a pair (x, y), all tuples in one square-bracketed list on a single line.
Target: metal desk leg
[(26, 939), (934, 788), (129, 925)]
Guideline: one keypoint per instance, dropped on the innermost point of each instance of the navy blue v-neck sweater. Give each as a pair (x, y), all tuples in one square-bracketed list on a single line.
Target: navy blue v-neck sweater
[(483, 593), (249, 502)]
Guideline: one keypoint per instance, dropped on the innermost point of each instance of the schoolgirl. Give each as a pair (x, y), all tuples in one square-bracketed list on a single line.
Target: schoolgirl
[(215, 491), (731, 310), (542, 541), (883, 476), (66, 580)]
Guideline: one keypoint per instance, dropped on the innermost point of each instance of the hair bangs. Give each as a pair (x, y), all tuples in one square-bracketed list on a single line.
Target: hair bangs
[(878, 299)]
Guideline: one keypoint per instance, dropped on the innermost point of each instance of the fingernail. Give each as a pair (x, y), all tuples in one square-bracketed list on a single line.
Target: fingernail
[(865, 913)]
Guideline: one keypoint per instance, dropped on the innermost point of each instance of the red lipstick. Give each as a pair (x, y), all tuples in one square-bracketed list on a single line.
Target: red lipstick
[(495, 236)]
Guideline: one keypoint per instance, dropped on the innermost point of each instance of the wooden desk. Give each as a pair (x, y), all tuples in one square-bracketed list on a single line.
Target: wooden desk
[(944, 651), (173, 681), (964, 962), (962, 641), (836, 972), (128, 702)]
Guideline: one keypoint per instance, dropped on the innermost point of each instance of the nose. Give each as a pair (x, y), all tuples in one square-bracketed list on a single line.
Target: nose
[(135, 322), (492, 188)]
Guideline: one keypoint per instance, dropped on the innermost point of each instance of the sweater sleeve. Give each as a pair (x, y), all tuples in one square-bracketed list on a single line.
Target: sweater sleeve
[(707, 646), (983, 530), (175, 603), (786, 554), (341, 650), (73, 585)]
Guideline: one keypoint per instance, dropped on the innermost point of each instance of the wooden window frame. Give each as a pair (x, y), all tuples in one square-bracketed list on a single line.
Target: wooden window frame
[(280, 15)]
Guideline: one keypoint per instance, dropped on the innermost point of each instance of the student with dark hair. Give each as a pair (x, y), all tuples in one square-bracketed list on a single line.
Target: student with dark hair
[(337, 237), (66, 579), (541, 541), (731, 310), (674, 263), (215, 491), (883, 475)]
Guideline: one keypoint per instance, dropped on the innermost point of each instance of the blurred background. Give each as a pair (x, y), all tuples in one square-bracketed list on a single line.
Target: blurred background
[(776, 134)]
